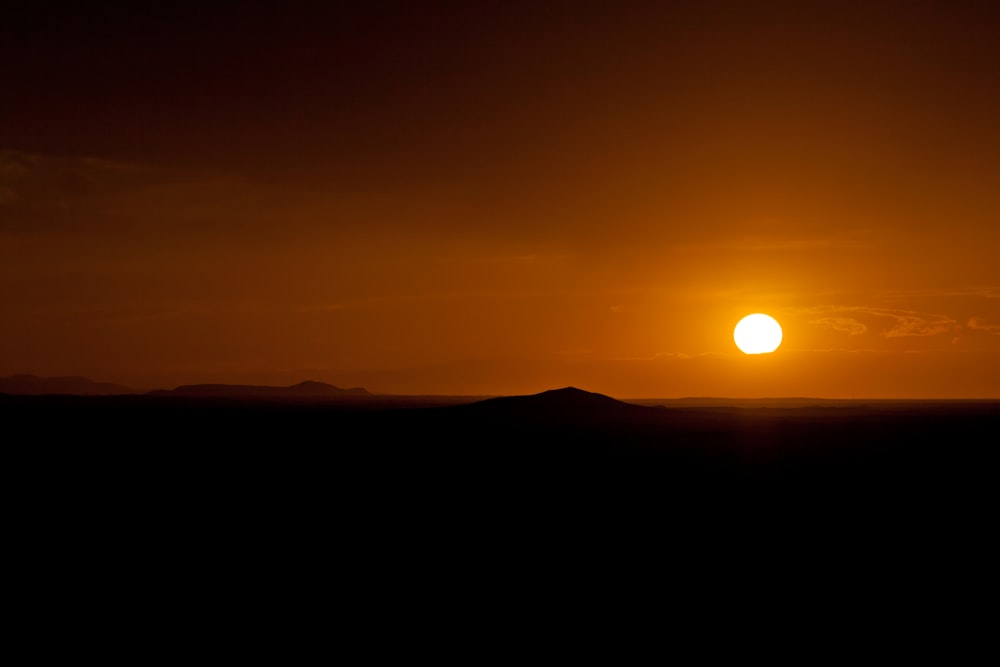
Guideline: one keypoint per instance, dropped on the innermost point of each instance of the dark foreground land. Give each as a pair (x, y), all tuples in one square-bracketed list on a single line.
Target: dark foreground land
[(569, 447), (377, 477), (258, 513)]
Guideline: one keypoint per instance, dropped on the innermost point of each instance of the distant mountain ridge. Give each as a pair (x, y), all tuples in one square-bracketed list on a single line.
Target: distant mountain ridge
[(33, 385), (307, 389), (568, 401)]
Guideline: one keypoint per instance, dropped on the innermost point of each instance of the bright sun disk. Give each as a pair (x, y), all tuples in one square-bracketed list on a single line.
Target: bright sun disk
[(757, 334)]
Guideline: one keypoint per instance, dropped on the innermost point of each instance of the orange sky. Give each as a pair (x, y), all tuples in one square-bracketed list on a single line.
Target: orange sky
[(496, 198)]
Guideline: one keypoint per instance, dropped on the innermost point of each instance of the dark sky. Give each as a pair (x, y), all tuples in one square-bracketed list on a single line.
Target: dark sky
[(499, 197)]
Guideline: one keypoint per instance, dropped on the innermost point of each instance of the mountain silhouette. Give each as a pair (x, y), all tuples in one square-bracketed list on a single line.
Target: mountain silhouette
[(32, 385), (307, 389), (568, 402)]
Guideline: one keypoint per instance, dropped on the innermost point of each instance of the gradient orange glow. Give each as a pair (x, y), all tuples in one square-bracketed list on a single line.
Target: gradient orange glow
[(485, 200)]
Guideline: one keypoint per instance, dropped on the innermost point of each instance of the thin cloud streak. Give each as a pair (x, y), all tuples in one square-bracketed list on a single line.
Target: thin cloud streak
[(977, 324), (902, 323), (848, 325), (986, 292)]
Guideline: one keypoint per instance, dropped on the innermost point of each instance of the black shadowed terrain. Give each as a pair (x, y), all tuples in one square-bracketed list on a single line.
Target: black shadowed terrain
[(398, 490), (566, 441)]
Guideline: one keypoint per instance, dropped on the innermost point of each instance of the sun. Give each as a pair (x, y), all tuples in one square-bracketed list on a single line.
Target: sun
[(757, 334)]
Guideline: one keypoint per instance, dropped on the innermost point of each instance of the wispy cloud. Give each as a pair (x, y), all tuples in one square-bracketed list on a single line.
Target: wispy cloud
[(856, 239), (846, 324), (671, 356), (916, 324), (50, 193), (895, 323), (979, 324), (768, 244), (983, 291), (30, 177)]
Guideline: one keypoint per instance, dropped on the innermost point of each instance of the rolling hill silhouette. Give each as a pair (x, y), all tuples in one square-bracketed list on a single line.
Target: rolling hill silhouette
[(568, 403), (307, 389), (32, 385)]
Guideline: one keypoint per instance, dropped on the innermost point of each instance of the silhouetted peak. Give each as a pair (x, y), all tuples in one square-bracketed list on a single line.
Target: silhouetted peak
[(571, 394), (565, 401), (314, 388), (312, 385)]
